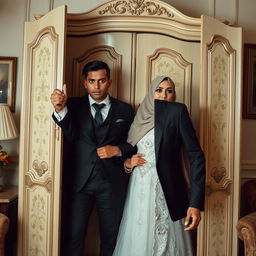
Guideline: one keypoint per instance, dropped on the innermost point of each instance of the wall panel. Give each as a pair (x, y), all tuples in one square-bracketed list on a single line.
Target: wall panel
[(36, 7)]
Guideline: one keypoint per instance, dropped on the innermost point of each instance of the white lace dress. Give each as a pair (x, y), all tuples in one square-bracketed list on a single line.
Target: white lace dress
[(146, 228)]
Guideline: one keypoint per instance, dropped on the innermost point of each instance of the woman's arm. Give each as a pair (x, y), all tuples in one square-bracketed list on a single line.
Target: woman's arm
[(136, 160)]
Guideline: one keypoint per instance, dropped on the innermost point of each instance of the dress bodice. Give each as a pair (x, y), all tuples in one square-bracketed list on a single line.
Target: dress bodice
[(146, 146)]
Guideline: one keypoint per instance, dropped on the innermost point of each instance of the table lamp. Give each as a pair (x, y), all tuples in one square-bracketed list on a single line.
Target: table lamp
[(8, 129)]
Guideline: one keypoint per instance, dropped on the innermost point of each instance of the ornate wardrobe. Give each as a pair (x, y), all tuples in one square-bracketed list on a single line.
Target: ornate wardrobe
[(139, 39)]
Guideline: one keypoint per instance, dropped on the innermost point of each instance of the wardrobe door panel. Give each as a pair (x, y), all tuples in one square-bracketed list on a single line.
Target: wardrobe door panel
[(220, 135), (40, 137)]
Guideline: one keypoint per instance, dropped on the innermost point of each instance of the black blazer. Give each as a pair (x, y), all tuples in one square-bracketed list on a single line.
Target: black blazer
[(174, 132), (78, 129)]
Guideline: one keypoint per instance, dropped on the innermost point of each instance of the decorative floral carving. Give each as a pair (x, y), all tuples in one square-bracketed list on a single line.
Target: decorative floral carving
[(136, 7), (43, 56), (217, 227), (220, 71), (167, 67), (219, 113), (38, 224), (46, 184), (36, 252), (42, 90), (40, 168)]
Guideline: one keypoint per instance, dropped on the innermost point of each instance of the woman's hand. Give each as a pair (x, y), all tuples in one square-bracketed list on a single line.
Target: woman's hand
[(136, 160), (193, 218)]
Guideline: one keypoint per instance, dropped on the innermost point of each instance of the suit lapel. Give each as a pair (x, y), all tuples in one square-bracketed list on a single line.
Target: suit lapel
[(160, 118)]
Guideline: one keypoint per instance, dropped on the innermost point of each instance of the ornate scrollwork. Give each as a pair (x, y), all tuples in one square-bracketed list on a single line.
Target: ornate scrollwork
[(40, 168), (136, 7), (218, 173), (30, 182), (210, 188)]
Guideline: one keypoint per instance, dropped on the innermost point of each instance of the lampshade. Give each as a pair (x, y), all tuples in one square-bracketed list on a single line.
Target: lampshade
[(8, 130)]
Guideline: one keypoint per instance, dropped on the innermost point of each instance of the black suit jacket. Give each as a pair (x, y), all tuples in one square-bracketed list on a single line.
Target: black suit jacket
[(78, 129), (174, 132)]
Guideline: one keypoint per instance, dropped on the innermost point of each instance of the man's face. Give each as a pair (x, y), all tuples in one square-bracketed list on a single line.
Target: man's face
[(97, 84)]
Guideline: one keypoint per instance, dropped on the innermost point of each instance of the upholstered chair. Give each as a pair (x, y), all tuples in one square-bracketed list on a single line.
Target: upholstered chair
[(246, 226), (4, 225)]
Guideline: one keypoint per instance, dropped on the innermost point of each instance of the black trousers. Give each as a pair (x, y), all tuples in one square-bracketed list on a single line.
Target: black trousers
[(109, 209)]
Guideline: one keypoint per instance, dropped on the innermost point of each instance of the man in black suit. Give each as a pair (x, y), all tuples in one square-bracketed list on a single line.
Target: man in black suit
[(97, 126)]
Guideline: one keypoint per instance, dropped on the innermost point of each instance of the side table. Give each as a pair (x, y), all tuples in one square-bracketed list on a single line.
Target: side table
[(9, 207)]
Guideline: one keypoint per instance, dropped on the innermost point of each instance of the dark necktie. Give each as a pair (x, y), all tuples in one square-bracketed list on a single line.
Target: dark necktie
[(98, 116)]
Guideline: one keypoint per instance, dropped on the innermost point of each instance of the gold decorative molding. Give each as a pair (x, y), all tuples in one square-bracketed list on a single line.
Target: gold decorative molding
[(217, 39), (45, 31), (136, 7), (135, 16)]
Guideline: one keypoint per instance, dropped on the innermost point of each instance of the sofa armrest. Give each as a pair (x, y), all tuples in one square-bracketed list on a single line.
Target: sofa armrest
[(246, 228), (4, 226)]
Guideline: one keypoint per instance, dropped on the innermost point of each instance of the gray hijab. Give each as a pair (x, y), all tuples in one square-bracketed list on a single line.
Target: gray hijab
[(144, 119)]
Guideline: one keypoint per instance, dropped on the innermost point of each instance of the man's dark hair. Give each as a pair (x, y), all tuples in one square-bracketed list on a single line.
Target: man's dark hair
[(95, 66)]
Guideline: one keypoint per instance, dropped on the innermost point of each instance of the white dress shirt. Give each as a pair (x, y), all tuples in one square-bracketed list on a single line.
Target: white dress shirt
[(104, 111)]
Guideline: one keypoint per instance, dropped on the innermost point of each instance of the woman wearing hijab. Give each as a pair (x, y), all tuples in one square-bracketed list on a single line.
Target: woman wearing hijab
[(160, 210)]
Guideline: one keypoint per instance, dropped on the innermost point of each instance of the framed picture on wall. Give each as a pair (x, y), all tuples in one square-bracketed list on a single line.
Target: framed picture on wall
[(249, 86), (8, 69)]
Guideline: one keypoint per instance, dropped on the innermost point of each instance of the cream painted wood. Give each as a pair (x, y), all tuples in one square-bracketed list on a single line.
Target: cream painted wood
[(40, 139), (152, 16), (220, 135), (115, 48)]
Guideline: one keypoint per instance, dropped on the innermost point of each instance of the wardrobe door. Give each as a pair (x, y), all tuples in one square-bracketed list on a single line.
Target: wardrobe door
[(40, 137), (220, 135)]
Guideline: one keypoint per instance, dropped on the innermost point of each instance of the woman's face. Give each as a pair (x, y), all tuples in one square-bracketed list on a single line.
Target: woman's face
[(165, 91)]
